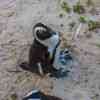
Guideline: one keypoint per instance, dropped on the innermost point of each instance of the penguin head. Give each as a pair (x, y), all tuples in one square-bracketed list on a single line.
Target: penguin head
[(45, 35)]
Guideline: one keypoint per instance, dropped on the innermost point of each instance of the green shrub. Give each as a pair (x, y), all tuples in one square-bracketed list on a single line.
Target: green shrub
[(78, 8), (65, 7), (93, 25), (82, 19)]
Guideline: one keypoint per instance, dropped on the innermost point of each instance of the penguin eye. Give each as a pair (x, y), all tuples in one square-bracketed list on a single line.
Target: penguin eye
[(66, 51), (39, 31)]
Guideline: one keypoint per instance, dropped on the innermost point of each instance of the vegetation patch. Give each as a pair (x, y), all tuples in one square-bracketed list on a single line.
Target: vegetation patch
[(65, 7), (14, 96), (82, 19), (97, 45), (78, 8), (93, 25)]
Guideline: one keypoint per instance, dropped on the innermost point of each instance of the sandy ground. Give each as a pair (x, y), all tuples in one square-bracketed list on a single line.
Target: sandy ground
[(16, 21)]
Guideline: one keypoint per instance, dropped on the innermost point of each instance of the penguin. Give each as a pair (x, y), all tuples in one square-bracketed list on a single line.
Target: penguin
[(38, 95), (42, 51)]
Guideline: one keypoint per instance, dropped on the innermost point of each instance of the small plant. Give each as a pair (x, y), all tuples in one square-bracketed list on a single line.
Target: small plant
[(14, 96), (65, 7), (98, 45), (93, 25), (78, 8), (82, 19)]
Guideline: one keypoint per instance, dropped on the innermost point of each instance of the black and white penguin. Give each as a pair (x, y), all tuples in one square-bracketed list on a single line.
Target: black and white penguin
[(38, 95), (43, 50)]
